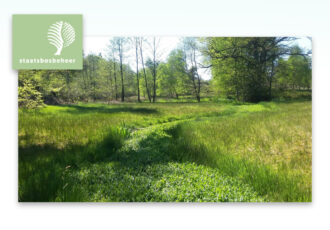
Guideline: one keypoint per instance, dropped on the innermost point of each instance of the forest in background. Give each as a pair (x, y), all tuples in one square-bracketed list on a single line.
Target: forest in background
[(244, 69), (243, 133)]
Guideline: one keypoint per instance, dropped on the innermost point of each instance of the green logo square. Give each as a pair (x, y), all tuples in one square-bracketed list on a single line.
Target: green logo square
[(47, 42)]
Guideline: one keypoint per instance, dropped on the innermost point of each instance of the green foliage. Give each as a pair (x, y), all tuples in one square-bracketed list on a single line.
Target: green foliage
[(244, 69), (294, 72), (269, 150), (248, 69), (292, 95), (28, 96), (166, 152), (222, 149), (173, 78)]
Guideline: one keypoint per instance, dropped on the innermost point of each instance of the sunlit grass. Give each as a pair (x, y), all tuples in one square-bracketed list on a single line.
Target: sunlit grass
[(125, 152), (271, 150)]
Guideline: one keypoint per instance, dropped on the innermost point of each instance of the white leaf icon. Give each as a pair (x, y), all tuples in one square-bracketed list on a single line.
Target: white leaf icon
[(61, 34)]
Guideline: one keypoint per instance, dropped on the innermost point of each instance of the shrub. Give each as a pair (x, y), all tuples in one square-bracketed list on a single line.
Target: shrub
[(28, 96)]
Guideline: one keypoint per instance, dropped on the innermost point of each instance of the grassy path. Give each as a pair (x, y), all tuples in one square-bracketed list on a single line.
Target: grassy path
[(144, 171), (160, 153)]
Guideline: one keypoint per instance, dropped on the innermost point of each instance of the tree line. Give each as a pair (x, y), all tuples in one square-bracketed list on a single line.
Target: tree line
[(250, 69), (245, 69)]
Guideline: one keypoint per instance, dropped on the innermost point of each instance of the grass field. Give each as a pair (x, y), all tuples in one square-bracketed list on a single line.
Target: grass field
[(166, 152)]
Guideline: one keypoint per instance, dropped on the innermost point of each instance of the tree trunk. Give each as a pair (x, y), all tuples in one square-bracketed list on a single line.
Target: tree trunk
[(144, 71), (271, 81), (154, 96), (154, 71), (110, 85), (137, 69), (94, 83), (115, 76), (198, 79), (120, 49), (270, 89), (122, 82), (195, 87)]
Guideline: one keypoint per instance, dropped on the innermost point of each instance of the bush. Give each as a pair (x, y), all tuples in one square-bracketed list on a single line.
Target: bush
[(28, 96)]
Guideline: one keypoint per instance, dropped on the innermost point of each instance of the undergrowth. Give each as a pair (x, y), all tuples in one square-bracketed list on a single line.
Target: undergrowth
[(166, 152)]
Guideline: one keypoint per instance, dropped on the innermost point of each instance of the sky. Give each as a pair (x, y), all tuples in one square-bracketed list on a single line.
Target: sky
[(98, 44)]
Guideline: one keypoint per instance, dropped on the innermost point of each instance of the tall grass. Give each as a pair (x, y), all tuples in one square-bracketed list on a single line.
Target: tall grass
[(166, 152), (57, 139), (270, 150)]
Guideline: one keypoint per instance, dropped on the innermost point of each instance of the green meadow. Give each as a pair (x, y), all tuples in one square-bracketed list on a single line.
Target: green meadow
[(166, 151)]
